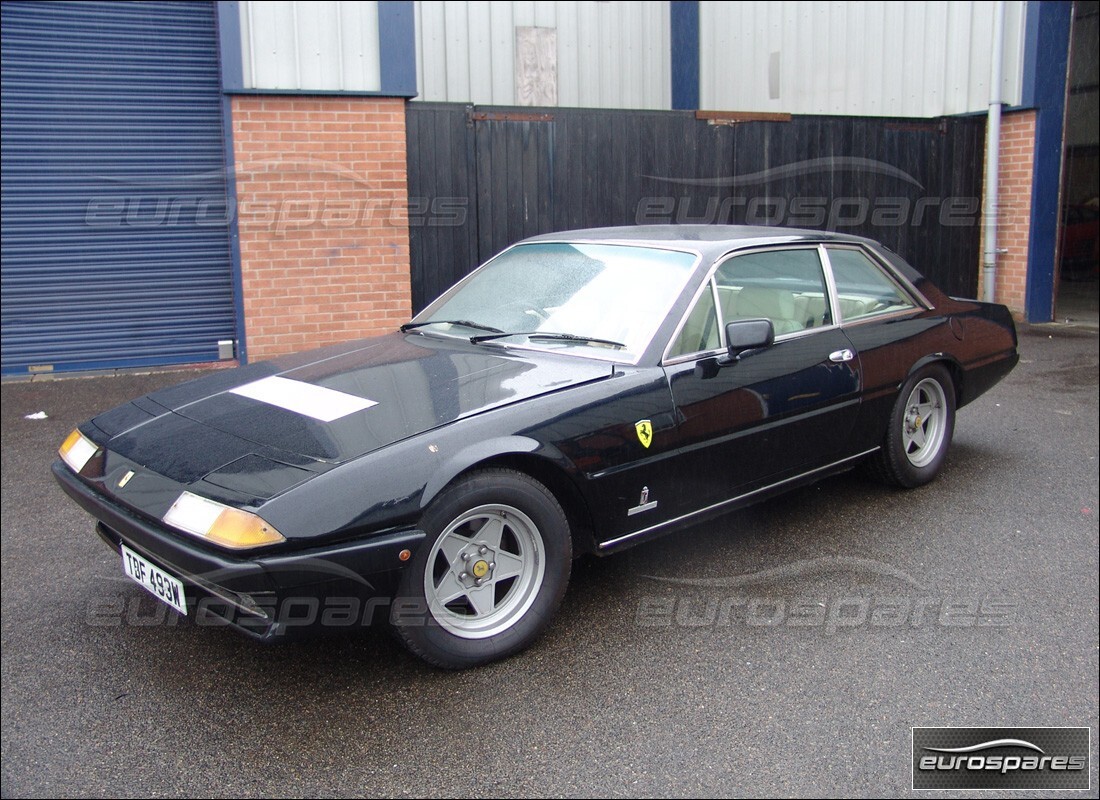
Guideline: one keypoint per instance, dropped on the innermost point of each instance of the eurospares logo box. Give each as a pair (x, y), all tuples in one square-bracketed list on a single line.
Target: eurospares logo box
[(1001, 758)]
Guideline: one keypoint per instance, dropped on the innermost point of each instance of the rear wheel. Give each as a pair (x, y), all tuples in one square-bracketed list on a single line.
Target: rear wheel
[(491, 573), (921, 426)]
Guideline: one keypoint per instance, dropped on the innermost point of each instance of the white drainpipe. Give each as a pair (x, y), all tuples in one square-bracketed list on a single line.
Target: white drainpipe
[(992, 155)]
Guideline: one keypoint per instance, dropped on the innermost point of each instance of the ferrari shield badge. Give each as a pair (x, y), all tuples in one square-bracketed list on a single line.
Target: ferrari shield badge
[(645, 432)]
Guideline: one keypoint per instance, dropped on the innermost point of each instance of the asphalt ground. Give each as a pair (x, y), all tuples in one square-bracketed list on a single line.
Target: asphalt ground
[(785, 650)]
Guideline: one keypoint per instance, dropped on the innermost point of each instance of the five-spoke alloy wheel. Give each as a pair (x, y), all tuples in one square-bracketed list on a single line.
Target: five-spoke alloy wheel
[(490, 575), (484, 571), (920, 429), (924, 423)]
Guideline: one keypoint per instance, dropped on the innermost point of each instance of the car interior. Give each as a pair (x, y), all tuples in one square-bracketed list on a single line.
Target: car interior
[(787, 287)]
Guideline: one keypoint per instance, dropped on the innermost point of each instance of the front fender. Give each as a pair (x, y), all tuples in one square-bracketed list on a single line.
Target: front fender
[(455, 464), (373, 494), (391, 488)]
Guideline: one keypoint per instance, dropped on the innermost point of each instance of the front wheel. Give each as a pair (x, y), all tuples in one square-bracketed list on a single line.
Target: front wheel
[(921, 426), (490, 575)]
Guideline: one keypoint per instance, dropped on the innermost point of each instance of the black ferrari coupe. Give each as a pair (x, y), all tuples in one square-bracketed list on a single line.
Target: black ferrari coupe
[(579, 393)]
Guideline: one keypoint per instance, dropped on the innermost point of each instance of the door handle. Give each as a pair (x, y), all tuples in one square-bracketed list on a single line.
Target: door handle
[(840, 356)]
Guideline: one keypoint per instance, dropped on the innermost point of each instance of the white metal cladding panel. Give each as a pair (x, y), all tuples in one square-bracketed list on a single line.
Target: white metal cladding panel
[(314, 45), (115, 240), (911, 59), (609, 55)]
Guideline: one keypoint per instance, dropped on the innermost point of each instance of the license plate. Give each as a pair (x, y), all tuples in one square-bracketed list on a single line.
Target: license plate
[(155, 580)]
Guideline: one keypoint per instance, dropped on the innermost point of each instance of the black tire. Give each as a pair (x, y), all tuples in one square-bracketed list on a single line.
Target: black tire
[(480, 529), (901, 461)]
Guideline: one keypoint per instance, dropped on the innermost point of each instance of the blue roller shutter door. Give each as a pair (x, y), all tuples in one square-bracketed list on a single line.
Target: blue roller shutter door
[(114, 217)]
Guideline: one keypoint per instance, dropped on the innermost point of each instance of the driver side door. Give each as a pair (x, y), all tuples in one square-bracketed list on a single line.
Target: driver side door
[(774, 412)]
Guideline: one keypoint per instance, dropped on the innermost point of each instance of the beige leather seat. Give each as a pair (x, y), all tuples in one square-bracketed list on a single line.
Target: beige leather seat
[(851, 307), (778, 305), (812, 309)]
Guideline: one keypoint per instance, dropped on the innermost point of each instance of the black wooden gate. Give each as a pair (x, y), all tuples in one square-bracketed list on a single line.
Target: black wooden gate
[(482, 178)]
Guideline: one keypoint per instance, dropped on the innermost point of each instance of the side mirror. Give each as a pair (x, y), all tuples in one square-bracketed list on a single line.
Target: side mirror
[(746, 335)]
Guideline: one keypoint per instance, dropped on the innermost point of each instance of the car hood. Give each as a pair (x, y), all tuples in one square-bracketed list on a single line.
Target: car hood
[(337, 403)]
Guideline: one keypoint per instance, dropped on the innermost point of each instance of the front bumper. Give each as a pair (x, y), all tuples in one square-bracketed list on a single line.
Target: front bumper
[(268, 596)]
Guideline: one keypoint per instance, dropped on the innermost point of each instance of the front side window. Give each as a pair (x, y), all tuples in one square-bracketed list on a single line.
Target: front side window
[(785, 286), (606, 298), (863, 290), (700, 331)]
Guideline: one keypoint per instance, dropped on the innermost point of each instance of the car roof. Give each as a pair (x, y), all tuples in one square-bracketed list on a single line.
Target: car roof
[(710, 240)]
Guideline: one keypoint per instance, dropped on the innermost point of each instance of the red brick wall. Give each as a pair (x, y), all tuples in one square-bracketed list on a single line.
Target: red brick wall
[(1014, 209), (323, 219)]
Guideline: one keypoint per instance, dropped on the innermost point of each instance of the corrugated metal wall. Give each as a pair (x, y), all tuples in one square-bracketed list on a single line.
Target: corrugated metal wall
[(323, 46), (115, 238), (610, 55), (877, 58), (923, 59)]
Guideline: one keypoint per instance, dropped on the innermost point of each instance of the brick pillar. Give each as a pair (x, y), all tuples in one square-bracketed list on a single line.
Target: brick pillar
[(322, 210), (1017, 152)]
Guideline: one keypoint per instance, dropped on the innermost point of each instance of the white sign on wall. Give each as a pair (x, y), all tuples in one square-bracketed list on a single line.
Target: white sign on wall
[(536, 66)]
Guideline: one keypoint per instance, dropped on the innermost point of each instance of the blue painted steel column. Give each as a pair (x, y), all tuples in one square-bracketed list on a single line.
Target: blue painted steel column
[(1046, 52), (397, 47), (684, 23), (229, 57), (229, 45)]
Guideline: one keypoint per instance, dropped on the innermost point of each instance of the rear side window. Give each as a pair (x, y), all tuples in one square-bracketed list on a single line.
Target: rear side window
[(862, 288)]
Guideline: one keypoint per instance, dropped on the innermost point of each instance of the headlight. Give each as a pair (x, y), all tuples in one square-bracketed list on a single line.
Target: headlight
[(219, 523), (77, 450)]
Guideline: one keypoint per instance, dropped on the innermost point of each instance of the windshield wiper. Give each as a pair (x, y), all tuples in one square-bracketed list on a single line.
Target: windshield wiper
[(408, 326), (562, 337)]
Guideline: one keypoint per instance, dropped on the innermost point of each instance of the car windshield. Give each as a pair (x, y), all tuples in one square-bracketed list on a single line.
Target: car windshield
[(608, 299)]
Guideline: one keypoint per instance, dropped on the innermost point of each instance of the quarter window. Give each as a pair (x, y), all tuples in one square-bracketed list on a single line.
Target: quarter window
[(862, 288)]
